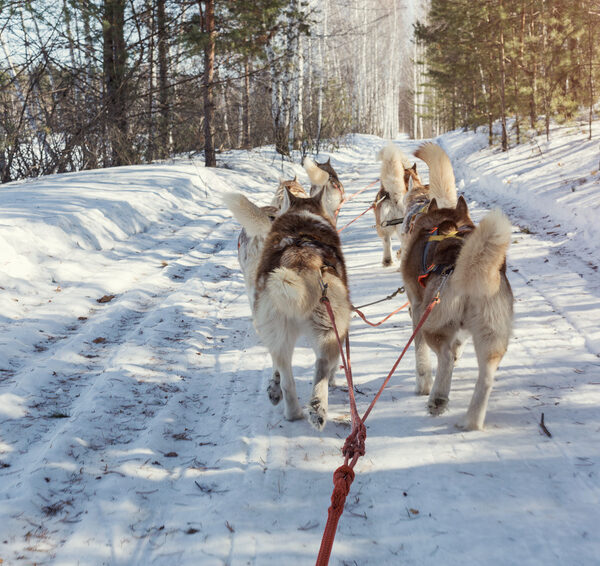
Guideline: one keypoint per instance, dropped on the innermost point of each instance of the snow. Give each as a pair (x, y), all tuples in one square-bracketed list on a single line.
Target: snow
[(138, 430)]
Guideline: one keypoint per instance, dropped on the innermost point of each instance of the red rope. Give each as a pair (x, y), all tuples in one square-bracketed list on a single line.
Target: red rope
[(354, 447), (345, 200), (351, 221), (359, 313), (361, 191)]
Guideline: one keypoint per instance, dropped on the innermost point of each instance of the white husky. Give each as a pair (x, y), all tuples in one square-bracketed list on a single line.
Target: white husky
[(389, 202)]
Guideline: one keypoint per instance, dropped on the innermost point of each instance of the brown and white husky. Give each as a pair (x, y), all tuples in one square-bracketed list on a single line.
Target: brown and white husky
[(323, 175), (389, 202), (301, 254), (445, 252), (250, 245)]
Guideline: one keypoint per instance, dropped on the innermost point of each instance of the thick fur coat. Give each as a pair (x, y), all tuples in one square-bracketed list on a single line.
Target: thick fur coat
[(389, 202), (301, 254), (323, 176), (250, 245), (468, 269)]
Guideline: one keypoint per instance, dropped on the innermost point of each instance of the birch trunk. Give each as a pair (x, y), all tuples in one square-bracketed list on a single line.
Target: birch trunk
[(208, 20)]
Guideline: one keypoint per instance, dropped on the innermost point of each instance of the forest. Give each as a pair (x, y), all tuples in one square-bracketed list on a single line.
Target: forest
[(89, 84)]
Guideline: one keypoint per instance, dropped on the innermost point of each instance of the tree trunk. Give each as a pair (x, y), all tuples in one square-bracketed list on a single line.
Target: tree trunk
[(208, 27), (532, 96), (246, 106), (114, 66), (151, 149), (415, 91), (163, 83), (591, 43), (502, 80)]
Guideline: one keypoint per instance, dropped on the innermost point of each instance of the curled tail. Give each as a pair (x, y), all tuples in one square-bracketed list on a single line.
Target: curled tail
[(393, 162), (316, 175), (293, 293), (254, 219), (442, 186), (477, 271)]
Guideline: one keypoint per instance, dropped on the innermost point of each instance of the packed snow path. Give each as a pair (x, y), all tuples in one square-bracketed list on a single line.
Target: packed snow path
[(138, 431)]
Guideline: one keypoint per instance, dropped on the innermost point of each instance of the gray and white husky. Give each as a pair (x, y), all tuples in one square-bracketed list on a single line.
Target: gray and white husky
[(250, 244), (323, 176), (444, 251), (301, 255)]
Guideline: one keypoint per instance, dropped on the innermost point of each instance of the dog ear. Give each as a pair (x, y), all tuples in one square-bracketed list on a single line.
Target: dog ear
[(461, 206), (295, 178), (318, 197), (288, 200), (328, 161), (432, 206), (414, 167)]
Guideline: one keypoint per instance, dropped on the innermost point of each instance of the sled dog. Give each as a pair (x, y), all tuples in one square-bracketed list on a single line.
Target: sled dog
[(293, 185), (445, 252), (322, 175), (301, 254), (250, 246), (389, 202)]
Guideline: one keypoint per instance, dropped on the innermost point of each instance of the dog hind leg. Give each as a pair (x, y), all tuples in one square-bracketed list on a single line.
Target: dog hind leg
[(387, 250), (281, 339), (440, 394), (423, 363), (489, 355), (325, 367), (292, 410)]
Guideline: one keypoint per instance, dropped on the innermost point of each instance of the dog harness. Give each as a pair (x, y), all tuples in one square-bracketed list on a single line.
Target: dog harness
[(418, 207), (432, 240)]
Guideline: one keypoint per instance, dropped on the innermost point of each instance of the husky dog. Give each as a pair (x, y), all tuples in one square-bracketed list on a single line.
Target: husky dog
[(250, 245), (323, 175), (389, 202), (301, 255), (446, 253), (293, 185)]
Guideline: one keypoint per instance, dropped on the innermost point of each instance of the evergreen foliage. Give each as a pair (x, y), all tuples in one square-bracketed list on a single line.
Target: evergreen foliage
[(532, 60)]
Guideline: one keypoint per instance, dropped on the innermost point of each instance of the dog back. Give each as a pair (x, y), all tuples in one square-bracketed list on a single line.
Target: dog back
[(301, 253)]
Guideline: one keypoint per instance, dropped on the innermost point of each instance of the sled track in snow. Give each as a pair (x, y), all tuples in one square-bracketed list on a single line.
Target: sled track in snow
[(157, 444)]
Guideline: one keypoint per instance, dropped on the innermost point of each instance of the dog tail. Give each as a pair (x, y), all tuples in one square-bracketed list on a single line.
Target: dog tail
[(292, 293), (316, 175), (442, 186), (254, 219), (392, 169), (477, 271)]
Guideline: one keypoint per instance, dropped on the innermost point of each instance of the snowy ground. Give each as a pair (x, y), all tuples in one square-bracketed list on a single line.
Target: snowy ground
[(137, 430)]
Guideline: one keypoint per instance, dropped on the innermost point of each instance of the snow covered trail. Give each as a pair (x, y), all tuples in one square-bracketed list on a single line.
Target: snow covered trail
[(138, 431)]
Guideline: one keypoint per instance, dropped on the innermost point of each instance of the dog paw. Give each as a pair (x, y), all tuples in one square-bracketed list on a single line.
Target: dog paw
[(274, 392), (317, 414), (437, 405), (423, 385), (294, 414), (422, 389), (466, 425)]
